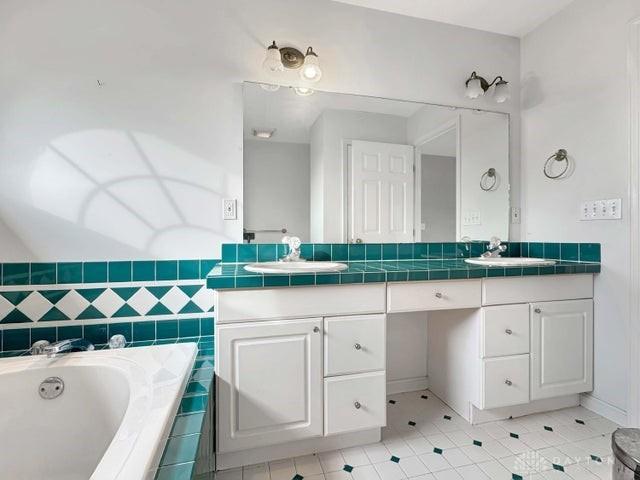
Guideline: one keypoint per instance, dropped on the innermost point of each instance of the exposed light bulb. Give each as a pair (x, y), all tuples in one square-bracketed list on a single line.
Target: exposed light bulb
[(265, 134), (501, 92), (303, 91), (474, 88), (269, 87), (273, 61), (310, 70)]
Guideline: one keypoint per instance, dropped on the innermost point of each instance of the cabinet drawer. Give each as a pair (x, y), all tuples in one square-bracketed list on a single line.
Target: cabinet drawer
[(354, 344), (504, 330), (545, 288), (420, 296), (505, 381), (354, 402)]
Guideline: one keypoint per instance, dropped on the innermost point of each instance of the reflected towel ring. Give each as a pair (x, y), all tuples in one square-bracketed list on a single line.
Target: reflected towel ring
[(560, 156), (491, 173)]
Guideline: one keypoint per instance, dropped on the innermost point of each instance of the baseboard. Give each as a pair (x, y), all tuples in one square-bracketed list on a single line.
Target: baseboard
[(407, 385), (604, 409), (535, 406), (225, 461)]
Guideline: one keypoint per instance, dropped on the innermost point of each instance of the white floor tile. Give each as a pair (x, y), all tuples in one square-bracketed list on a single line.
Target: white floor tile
[(365, 472), (494, 430), (601, 469), (233, 474), (515, 445), (534, 440), (282, 469), (440, 441), (495, 471), (517, 464), (578, 472), (355, 456), (399, 448), (389, 471), (434, 462), (377, 452), (330, 461), (419, 445), (496, 449), (412, 466), (315, 477), (447, 475), (456, 457), (476, 454), (460, 438), (256, 472), (308, 465), (340, 475), (472, 472)]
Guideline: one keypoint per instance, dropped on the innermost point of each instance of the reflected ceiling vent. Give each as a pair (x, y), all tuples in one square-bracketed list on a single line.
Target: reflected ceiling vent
[(264, 133)]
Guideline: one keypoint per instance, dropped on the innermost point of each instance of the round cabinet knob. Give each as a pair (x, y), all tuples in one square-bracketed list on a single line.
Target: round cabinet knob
[(537, 310), (316, 329), (358, 240), (508, 382), (438, 295), (357, 346), (508, 331), (357, 405)]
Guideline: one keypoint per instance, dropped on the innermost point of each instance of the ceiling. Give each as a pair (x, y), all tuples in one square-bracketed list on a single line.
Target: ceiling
[(292, 116), (508, 17)]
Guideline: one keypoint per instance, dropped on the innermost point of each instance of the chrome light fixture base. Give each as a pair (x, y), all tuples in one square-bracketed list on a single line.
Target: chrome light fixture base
[(292, 58)]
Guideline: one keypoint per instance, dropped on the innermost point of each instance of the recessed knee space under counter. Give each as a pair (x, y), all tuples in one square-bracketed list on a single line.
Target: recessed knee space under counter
[(306, 369)]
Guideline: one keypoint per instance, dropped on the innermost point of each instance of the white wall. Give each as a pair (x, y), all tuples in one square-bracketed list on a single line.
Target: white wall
[(336, 127), (574, 81), (138, 167), (276, 189)]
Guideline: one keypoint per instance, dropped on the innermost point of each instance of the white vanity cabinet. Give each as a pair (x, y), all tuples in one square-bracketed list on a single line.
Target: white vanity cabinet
[(561, 348), (269, 383)]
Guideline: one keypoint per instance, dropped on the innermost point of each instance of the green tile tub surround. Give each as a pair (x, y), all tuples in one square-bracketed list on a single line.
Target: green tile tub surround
[(180, 452), (341, 252), (66, 273)]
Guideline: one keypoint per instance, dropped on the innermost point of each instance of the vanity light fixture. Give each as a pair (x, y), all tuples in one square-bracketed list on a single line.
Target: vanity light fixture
[(476, 86), (303, 91), (310, 70), (263, 133), (277, 59)]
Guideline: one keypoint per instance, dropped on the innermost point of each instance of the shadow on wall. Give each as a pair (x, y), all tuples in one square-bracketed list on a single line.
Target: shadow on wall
[(106, 191), (532, 94)]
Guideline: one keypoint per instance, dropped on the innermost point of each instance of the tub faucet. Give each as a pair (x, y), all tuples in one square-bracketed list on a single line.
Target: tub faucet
[(495, 248), (294, 249), (66, 346)]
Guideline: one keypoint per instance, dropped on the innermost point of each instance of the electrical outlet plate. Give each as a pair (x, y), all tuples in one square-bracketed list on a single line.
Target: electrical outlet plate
[(229, 209), (610, 209), (515, 215)]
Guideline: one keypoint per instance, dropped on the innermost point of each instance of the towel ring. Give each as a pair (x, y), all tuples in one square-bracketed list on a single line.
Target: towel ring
[(560, 156), (491, 173)]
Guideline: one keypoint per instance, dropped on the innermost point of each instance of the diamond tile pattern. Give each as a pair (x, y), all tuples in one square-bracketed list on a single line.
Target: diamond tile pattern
[(104, 302), (402, 453)]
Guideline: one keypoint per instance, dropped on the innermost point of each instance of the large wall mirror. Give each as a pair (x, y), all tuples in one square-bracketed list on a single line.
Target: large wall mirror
[(332, 167)]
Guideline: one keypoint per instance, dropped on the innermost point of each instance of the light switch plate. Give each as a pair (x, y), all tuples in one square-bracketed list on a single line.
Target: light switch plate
[(610, 209), (471, 218), (229, 209)]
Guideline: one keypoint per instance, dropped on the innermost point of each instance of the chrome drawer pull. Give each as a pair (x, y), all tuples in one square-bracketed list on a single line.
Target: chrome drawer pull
[(438, 295), (508, 382), (357, 346), (357, 405), (316, 329), (508, 331), (537, 310)]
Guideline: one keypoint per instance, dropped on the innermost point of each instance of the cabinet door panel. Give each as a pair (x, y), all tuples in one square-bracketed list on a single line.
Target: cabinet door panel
[(561, 348), (269, 383)]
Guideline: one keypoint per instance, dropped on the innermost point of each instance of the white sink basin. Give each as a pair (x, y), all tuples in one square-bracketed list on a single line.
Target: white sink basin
[(295, 267), (509, 262)]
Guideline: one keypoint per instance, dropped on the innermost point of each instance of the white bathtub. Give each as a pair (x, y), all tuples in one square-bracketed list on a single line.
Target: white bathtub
[(110, 423)]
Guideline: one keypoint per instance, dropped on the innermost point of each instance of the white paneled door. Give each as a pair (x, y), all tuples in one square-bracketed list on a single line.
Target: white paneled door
[(382, 190)]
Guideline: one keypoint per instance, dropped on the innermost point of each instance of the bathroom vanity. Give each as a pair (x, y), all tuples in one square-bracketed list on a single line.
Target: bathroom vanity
[(303, 369)]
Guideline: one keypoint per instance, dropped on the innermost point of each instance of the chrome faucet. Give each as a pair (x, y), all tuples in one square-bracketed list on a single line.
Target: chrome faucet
[(294, 249), (66, 346), (494, 249)]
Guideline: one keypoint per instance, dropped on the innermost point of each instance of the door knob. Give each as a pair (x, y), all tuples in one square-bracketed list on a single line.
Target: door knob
[(357, 346), (537, 310), (316, 329), (508, 331), (508, 382), (357, 405)]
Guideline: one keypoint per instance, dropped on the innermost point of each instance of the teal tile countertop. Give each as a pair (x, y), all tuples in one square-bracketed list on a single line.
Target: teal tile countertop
[(179, 457), (233, 275)]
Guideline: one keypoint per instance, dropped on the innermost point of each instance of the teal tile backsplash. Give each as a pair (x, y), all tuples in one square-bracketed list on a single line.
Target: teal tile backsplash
[(244, 253)]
